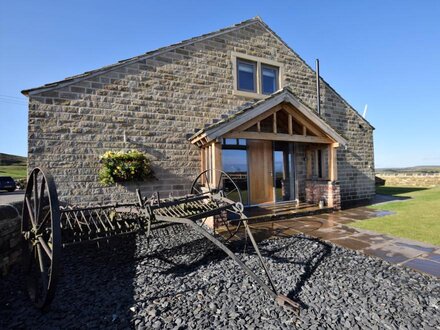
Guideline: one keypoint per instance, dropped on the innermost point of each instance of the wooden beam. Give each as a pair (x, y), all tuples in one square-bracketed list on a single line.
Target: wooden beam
[(253, 121), (258, 126), (290, 124), (304, 131), (278, 137), (275, 122), (300, 118)]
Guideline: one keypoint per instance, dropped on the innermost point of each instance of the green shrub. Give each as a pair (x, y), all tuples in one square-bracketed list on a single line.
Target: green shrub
[(122, 166)]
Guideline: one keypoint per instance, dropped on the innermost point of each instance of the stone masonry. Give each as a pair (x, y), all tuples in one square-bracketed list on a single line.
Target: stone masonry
[(154, 102), (10, 236)]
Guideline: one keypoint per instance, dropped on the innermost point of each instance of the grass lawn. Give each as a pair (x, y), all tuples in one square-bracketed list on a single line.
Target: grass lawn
[(417, 218), (16, 171)]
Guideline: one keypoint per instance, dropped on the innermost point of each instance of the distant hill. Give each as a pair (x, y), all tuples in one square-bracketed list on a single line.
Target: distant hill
[(6, 159), (414, 169)]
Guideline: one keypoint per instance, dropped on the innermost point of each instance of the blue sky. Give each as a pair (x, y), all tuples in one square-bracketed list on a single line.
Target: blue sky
[(382, 53)]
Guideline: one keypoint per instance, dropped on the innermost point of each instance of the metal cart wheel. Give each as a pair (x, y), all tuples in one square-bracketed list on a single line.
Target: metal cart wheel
[(223, 185), (226, 187), (42, 237)]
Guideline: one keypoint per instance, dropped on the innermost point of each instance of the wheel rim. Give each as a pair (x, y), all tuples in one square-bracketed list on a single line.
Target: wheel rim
[(42, 237), (225, 186)]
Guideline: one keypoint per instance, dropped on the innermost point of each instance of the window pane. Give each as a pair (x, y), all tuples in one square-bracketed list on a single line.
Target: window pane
[(269, 79), (246, 76), (230, 141), (235, 164), (242, 142)]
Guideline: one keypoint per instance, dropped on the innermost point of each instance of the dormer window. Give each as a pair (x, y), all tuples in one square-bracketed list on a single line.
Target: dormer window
[(246, 76), (255, 77)]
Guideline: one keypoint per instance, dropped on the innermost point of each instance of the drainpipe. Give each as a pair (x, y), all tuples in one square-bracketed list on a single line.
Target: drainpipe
[(318, 97)]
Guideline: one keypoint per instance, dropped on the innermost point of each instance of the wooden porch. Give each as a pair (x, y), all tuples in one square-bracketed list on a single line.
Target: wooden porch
[(280, 118)]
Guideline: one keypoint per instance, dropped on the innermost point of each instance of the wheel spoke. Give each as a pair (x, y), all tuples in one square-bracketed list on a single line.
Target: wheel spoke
[(196, 189), (207, 181), (42, 265), (219, 181), (41, 198), (47, 216), (235, 189), (30, 212), (45, 247), (35, 188)]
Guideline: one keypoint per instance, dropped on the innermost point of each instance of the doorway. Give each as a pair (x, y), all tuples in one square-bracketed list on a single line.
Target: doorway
[(284, 173)]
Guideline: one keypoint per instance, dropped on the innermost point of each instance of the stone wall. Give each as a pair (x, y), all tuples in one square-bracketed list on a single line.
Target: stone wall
[(411, 179), (154, 104), (10, 236), (323, 190)]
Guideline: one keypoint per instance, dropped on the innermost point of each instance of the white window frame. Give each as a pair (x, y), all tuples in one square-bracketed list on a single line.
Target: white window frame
[(258, 75)]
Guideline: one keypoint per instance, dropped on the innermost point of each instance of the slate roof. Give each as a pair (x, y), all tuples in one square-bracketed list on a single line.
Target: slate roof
[(148, 54), (254, 20)]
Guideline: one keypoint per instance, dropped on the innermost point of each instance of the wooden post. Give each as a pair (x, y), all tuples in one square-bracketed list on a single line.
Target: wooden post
[(309, 164), (275, 122), (332, 163), (203, 162), (290, 125), (216, 162)]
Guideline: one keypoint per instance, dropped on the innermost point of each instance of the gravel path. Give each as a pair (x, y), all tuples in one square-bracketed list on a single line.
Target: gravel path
[(188, 284)]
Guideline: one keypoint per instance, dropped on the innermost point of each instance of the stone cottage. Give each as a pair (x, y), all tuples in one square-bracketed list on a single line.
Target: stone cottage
[(238, 99)]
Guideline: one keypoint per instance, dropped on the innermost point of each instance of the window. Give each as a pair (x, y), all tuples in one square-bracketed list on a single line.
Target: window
[(234, 143), (255, 77), (235, 164), (269, 79), (246, 76)]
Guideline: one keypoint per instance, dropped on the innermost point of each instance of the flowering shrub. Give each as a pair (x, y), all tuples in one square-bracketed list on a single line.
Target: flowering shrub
[(121, 166)]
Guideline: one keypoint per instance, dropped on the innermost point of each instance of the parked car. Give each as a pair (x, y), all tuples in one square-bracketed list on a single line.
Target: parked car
[(7, 183)]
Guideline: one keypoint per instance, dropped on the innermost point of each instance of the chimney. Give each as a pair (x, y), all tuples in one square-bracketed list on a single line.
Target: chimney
[(318, 97)]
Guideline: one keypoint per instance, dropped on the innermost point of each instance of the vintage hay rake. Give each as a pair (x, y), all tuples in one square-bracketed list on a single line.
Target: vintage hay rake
[(47, 227)]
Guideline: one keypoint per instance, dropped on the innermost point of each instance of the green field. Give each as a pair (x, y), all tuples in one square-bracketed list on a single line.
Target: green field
[(417, 218), (12, 165), (15, 171)]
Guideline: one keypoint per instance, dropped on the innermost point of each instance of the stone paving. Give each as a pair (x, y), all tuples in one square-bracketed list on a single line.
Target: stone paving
[(333, 227)]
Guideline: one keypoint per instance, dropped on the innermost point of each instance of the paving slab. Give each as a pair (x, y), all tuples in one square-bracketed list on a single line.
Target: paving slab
[(427, 266)]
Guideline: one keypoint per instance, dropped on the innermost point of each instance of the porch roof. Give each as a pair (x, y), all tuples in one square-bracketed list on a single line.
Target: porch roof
[(251, 111)]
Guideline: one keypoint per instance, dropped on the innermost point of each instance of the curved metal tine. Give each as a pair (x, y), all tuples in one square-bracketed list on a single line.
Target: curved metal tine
[(31, 212), (203, 221), (108, 220), (207, 181), (42, 266)]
